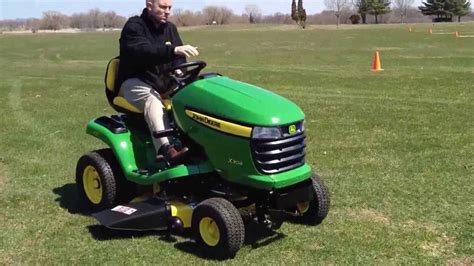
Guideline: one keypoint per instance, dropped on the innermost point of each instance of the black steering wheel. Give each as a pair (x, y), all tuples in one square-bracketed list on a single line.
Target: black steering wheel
[(190, 71)]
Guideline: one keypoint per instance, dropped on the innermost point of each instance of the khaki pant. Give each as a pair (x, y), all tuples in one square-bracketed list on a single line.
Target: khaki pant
[(146, 99)]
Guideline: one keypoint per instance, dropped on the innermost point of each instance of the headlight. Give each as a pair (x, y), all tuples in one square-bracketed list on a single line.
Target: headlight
[(266, 133)]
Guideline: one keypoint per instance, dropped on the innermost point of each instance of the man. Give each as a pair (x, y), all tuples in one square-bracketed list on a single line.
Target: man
[(149, 44)]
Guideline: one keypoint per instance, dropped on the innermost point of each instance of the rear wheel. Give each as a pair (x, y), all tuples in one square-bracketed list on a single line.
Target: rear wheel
[(218, 228), (100, 181), (316, 210)]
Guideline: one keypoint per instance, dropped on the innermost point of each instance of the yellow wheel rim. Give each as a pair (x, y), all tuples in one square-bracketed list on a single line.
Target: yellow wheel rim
[(92, 184), (209, 231), (303, 207)]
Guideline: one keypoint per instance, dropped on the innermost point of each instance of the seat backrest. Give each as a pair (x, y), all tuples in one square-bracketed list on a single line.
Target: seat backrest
[(111, 75)]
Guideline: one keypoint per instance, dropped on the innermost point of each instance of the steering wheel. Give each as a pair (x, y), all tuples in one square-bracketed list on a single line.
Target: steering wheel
[(190, 70)]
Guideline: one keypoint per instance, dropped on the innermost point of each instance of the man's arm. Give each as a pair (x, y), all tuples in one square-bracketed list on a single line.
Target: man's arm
[(178, 42)]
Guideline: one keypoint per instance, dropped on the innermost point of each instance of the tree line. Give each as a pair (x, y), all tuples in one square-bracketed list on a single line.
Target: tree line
[(441, 10), (54, 20), (337, 11)]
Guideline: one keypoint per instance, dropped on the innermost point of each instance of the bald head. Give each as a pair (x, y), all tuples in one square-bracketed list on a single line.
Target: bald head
[(159, 10)]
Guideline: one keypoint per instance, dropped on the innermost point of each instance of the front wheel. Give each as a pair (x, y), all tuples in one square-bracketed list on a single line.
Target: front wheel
[(218, 228), (316, 210)]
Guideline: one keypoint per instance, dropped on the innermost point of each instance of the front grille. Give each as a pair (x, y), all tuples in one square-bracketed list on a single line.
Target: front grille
[(276, 156)]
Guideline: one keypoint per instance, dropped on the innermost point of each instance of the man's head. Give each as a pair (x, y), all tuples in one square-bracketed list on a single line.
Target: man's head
[(159, 10)]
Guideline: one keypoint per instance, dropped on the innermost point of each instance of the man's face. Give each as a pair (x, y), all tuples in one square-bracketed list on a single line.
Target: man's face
[(160, 10)]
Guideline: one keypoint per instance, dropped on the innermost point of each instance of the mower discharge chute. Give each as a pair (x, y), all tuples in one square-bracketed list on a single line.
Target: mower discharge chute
[(247, 163)]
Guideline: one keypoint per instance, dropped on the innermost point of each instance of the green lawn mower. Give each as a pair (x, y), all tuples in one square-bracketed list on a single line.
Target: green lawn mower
[(247, 163)]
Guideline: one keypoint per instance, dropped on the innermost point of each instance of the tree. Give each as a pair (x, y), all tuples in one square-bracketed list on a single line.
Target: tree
[(402, 7), (226, 15), (254, 13), (444, 10), (378, 7), (33, 24), (301, 14), (298, 14), (337, 6), (53, 20), (362, 7), (95, 18), (211, 14), (185, 18), (461, 8), (112, 20), (294, 12), (354, 19), (221, 15)]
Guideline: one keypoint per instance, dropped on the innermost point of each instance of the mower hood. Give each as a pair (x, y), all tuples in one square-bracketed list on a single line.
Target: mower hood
[(238, 101)]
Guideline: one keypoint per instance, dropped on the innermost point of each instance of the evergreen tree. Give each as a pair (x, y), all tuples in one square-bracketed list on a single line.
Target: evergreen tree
[(362, 9), (444, 10), (461, 8), (378, 7), (301, 14), (294, 13)]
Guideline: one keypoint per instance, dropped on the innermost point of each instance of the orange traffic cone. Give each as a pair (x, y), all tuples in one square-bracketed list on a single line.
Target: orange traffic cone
[(431, 31), (456, 34), (377, 66)]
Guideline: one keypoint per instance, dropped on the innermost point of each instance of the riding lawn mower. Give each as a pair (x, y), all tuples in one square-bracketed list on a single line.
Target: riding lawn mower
[(247, 163)]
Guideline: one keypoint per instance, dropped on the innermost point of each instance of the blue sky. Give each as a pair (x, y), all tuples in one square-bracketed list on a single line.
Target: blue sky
[(10, 9)]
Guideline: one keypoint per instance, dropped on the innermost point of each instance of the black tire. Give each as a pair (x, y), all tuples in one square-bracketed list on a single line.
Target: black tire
[(319, 206), (229, 223), (113, 186)]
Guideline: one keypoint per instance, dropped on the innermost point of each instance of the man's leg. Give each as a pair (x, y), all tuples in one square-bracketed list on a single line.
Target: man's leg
[(142, 96), (146, 99)]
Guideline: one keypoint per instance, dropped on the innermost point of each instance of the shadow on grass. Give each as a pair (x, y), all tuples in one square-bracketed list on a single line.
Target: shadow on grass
[(69, 199), (255, 237)]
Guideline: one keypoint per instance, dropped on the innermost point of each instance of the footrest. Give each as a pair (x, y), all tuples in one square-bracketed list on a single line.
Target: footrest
[(163, 133)]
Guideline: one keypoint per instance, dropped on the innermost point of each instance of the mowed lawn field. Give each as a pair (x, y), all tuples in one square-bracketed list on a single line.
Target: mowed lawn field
[(396, 148)]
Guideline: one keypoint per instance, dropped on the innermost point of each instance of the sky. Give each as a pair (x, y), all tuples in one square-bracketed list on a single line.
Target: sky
[(11, 9)]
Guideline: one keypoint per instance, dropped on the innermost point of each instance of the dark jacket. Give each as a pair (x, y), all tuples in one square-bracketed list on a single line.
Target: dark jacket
[(146, 49)]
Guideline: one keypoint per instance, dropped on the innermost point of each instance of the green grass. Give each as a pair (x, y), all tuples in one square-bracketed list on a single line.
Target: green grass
[(396, 148)]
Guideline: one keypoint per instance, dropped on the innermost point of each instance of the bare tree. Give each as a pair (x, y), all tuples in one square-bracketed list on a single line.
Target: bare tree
[(226, 15), (79, 21), (254, 13), (278, 18), (112, 20), (217, 14), (402, 6), (211, 14), (53, 20), (183, 18), (337, 6), (33, 24), (95, 18)]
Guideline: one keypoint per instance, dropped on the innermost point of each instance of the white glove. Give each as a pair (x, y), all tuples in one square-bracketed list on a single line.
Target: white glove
[(179, 73), (186, 50)]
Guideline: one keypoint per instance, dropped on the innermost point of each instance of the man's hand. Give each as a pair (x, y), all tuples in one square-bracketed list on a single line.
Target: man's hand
[(178, 73), (186, 50)]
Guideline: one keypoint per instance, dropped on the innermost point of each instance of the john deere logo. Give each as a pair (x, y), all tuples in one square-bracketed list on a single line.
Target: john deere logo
[(292, 129)]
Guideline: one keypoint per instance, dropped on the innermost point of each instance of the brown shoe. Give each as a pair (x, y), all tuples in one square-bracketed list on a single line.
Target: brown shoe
[(172, 155)]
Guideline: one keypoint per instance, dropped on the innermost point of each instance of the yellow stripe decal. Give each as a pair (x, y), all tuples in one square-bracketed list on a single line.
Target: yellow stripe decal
[(220, 125)]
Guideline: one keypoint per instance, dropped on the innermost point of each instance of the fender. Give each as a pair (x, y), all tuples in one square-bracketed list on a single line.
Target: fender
[(119, 140)]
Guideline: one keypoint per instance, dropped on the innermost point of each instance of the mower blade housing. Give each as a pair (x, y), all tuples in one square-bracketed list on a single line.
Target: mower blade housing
[(153, 214)]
